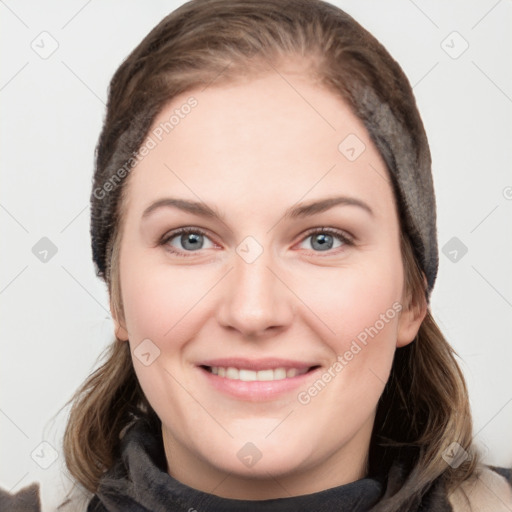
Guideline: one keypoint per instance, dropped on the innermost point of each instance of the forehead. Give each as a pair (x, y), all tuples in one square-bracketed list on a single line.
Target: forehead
[(272, 139)]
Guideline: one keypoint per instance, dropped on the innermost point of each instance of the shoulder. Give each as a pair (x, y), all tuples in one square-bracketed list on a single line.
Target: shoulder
[(32, 499), (26, 500), (489, 490)]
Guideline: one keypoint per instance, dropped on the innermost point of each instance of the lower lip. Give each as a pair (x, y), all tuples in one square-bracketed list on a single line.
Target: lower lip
[(256, 391)]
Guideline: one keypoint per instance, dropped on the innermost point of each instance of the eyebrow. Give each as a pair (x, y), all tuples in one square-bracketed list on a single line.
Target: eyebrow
[(304, 210)]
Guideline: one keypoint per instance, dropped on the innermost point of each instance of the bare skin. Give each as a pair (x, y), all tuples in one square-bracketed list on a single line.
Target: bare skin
[(252, 150)]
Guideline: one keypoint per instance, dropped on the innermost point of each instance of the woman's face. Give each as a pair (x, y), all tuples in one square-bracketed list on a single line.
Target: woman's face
[(263, 337)]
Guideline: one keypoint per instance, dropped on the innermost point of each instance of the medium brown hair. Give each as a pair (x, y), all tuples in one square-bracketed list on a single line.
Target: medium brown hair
[(424, 406)]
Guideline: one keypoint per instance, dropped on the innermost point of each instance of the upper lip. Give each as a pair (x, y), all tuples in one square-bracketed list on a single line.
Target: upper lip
[(257, 364)]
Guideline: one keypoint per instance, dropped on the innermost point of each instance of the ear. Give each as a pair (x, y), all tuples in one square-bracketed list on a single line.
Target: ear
[(411, 318), (119, 329)]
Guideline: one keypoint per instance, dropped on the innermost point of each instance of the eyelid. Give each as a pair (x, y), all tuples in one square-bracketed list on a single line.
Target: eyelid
[(342, 234), (183, 230)]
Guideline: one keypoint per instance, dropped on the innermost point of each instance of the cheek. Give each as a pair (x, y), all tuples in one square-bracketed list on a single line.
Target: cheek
[(158, 300), (349, 387), (351, 299), (361, 307), (161, 305)]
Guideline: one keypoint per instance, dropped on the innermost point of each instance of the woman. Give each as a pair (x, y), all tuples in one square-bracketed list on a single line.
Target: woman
[(264, 217)]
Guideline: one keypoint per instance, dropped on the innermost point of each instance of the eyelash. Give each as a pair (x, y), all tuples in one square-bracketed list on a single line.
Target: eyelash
[(342, 236)]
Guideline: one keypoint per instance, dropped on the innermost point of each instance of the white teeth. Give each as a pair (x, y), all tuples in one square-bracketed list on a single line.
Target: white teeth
[(232, 373), (279, 373), (265, 375), (261, 375), (247, 375)]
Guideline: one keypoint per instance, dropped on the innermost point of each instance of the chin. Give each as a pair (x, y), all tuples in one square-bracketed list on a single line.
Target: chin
[(261, 458)]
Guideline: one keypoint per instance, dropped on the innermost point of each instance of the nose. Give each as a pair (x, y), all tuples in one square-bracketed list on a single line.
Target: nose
[(255, 298)]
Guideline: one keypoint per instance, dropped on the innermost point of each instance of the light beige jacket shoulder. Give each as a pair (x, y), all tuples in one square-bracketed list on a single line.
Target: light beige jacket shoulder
[(488, 492)]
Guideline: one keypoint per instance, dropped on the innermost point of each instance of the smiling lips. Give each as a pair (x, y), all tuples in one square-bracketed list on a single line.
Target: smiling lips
[(255, 379)]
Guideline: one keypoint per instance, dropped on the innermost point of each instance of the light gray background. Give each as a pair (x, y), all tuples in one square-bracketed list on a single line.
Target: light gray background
[(55, 318)]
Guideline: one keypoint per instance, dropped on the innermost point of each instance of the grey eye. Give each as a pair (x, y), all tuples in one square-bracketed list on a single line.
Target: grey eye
[(322, 241), (190, 241)]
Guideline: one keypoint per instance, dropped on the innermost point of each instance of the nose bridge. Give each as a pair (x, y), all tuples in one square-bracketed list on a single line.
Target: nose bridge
[(254, 299)]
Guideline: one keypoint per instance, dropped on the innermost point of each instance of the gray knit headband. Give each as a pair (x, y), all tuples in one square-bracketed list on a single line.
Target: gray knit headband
[(410, 169)]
